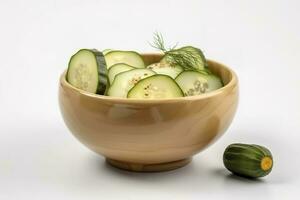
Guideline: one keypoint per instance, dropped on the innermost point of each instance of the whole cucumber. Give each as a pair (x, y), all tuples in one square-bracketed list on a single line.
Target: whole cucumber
[(248, 160)]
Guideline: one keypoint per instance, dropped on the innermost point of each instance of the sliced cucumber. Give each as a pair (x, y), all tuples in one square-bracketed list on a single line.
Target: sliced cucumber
[(155, 87), (106, 51), (214, 82), (205, 71), (117, 69), (166, 69), (87, 71), (195, 83), (192, 53), (192, 83), (124, 81), (128, 57)]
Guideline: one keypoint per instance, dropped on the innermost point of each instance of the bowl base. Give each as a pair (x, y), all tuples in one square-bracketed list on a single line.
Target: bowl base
[(137, 167)]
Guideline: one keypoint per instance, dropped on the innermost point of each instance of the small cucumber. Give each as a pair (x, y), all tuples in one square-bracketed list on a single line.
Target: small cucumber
[(155, 87), (87, 71), (117, 69), (166, 69), (131, 58), (248, 160)]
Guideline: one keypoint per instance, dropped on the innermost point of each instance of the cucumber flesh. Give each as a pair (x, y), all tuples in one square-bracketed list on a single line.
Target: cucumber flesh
[(155, 87), (117, 69), (213, 82), (128, 57), (87, 71), (195, 83), (192, 83), (166, 69), (124, 81)]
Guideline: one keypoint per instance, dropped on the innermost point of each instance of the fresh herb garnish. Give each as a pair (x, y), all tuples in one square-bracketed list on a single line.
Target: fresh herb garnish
[(159, 43), (187, 57)]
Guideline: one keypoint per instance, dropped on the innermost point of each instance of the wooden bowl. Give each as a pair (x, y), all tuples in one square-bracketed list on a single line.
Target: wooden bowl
[(150, 135)]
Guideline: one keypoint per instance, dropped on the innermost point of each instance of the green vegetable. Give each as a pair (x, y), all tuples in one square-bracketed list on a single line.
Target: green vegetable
[(117, 69), (131, 58), (195, 83), (155, 87), (166, 69), (124, 81), (192, 83), (87, 71), (248, 160), (214, 82)]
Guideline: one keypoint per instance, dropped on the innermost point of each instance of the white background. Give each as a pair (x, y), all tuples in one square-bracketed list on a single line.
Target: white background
[(40, 159)]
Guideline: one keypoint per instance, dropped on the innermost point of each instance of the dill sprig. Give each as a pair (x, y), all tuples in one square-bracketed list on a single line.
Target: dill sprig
[(159, 43), (186, 57)]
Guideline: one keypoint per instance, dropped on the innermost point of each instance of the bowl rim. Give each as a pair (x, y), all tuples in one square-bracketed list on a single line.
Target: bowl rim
[(234, 80)]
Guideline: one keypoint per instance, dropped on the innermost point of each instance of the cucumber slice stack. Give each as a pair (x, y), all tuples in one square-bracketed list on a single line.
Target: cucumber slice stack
[(117, 69), (126, 80), (183, 72), (155, 87)]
